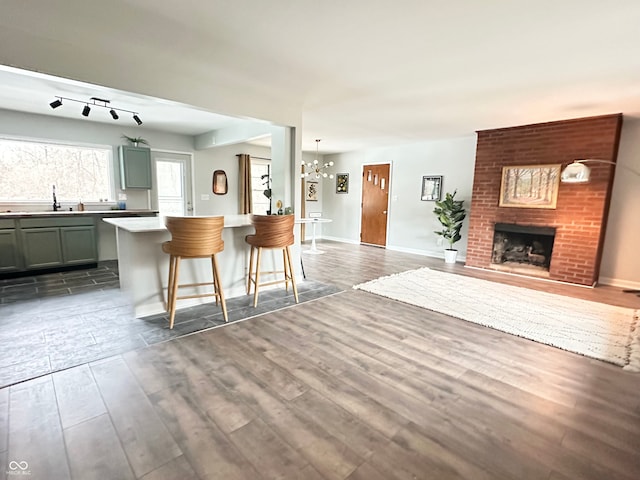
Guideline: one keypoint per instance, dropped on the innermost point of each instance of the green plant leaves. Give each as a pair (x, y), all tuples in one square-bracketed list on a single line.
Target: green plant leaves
[(450, 213)]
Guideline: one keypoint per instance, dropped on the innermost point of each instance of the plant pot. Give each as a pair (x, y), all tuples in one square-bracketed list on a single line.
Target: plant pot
[(450, 255)]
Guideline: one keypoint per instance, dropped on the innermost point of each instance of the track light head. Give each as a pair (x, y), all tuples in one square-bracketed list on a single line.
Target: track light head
[(114, 114), (137, 119), (86, 110), (56, 103)]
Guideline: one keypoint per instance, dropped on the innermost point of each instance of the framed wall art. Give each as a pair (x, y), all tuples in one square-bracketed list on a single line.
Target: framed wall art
[(530, 186), (312, 192), (431, 188), (342, 183)]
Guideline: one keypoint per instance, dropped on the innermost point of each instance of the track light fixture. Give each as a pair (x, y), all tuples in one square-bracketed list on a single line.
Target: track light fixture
[(96, 102)]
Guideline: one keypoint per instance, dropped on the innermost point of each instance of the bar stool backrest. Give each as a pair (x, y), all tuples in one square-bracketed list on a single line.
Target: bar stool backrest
[(272, 231), (194, 236)]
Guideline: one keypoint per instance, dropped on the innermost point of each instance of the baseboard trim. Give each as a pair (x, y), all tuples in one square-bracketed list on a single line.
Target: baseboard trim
[(617, 282)]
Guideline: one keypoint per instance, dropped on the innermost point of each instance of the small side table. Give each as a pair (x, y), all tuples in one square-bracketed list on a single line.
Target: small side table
[(313, 221)]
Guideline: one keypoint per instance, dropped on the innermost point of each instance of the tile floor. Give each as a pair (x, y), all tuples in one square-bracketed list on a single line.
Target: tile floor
[(56, 321)]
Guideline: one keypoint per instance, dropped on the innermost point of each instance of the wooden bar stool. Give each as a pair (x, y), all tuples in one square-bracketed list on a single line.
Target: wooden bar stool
[(193, 237), (272, 232)]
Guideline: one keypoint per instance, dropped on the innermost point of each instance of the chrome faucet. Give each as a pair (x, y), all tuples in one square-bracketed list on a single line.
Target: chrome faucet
[(56, 205)]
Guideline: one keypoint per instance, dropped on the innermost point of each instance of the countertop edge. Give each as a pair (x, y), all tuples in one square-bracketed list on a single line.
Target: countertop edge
[(84, 213)]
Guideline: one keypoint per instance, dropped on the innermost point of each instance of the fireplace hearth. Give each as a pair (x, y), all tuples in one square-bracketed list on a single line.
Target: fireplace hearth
[(522, 246)]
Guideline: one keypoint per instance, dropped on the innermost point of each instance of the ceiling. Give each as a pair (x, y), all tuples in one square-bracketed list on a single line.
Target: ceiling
[(364, 73)]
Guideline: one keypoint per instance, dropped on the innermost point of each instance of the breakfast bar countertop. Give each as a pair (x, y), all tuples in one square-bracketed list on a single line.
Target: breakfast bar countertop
[(156, 224), (78, 213)]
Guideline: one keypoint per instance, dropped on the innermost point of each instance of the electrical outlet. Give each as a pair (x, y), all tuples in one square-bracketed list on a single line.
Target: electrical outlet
[(204, 196), (122, 196), (439, 241)]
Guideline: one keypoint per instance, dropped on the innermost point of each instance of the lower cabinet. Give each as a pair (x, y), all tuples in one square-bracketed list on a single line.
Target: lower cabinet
[(51, 242), (10, 258), (42, 247), (78, 245)]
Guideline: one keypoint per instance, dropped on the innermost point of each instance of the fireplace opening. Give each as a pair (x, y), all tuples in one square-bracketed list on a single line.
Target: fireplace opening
[(522, 246)]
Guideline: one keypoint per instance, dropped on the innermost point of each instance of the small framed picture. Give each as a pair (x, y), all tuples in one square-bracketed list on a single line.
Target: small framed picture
[(312, 192), (431, 188), (342, 183)]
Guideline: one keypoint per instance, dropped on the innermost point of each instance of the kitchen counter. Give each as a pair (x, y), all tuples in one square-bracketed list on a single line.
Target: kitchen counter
[(144, 267), (67, 213), (156, 224)]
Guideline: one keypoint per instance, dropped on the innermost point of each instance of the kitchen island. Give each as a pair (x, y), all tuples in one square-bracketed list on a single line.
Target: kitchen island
[(144, 267)]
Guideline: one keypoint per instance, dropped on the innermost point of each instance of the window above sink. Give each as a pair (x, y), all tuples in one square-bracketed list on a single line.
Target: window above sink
[(29, 169)]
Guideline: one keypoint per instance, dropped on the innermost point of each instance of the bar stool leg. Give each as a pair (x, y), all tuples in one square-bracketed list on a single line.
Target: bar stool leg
[(250, 276), (169, 283), (174, 292), (220, 293), (287, 276), (257, 280), (215, 279), (292, 275)]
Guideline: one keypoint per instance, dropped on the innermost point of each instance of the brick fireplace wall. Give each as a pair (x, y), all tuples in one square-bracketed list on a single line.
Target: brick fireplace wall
[(581, 211)]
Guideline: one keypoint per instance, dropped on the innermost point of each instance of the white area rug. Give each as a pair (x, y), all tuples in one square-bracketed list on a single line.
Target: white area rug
[(592, 329)]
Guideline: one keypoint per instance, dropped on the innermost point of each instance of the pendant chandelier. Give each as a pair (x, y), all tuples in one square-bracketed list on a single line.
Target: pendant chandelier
[(314, 168)]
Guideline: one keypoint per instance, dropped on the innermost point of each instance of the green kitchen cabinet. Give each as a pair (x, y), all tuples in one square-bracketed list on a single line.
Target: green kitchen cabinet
[(10, 260), (50, 242), (41, 247), (79, 245), (135, 167)]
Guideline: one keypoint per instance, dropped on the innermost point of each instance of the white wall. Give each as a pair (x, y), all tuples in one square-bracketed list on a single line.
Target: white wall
[(221, 158), (44, 127), (411, 221), (620, 260), (315, 207)]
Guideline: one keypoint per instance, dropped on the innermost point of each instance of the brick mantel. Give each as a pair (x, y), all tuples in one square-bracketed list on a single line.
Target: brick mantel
[(581, 211)]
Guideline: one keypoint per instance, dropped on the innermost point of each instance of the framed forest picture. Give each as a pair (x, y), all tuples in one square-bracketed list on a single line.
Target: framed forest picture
[(530, 186)]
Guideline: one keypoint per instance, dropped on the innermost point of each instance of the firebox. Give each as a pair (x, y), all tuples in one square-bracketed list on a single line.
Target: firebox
[(522, 245)]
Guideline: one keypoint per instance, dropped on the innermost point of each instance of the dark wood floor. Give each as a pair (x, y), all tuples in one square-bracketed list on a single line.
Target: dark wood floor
[(349, 386)]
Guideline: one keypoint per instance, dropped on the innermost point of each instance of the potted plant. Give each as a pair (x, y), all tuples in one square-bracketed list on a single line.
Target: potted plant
[(135, 141), (450, 213)]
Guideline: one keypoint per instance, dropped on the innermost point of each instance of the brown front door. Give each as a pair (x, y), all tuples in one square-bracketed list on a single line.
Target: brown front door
[(375, 203)]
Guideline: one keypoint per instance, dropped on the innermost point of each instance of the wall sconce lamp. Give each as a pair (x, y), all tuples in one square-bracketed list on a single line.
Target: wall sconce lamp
[(578, 172), (96, 102)]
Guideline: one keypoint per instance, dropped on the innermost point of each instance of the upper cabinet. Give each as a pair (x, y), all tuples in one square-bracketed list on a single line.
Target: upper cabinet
[(135, 167)]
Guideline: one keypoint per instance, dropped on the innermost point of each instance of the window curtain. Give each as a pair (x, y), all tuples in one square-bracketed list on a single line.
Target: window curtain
[(245, 183)]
